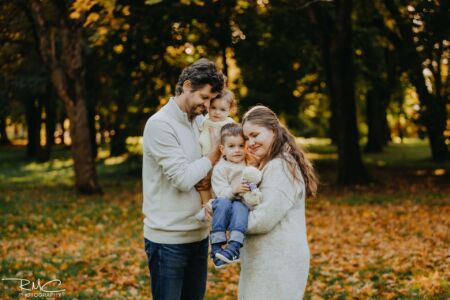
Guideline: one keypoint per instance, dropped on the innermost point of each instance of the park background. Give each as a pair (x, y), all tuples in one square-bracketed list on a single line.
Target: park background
[(364, 85)]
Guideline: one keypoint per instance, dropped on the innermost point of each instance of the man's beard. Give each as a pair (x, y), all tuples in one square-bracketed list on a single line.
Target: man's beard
[(195, 111)]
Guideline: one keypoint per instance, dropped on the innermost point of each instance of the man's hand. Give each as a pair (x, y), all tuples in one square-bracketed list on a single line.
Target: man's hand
[(215, 153), (204, 184), (240, 188)]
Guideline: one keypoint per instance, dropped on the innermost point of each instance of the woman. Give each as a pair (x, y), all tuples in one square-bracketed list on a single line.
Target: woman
[(275, 258)]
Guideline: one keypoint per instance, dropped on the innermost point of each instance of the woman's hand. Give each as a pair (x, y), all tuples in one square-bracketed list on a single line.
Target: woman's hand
[(252, 160), (240, 188)]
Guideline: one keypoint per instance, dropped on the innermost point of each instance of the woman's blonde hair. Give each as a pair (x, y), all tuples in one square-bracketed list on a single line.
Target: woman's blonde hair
[(283, 143)]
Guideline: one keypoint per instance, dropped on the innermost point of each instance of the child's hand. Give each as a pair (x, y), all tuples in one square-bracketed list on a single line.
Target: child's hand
[(240, 188)]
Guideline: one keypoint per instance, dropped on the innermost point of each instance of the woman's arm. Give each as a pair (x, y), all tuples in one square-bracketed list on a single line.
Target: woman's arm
[(278, 196)]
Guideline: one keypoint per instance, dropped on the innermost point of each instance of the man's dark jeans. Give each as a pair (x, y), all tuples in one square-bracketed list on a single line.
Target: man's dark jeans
[(177, 271)]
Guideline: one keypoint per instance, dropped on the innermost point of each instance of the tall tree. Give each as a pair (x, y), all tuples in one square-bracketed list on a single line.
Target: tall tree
[(419, 32), (48, 104), (3, 114), (381, 77), (339, 59), (272, 62), (62, 50)]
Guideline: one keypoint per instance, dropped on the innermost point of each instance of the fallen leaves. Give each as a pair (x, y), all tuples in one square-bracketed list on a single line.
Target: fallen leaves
[(95, 247)]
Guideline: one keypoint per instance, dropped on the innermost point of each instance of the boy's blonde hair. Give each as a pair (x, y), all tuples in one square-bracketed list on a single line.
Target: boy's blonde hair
[(230, 129)]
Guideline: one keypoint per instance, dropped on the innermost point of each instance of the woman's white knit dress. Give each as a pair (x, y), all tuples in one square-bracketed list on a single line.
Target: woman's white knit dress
[(275, 256)]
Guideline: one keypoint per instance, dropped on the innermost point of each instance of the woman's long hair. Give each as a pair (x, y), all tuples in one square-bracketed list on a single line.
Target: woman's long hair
[(283, 143)]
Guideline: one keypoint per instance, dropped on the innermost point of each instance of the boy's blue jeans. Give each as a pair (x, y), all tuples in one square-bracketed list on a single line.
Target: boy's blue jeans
[(228, 214), (177, 271)]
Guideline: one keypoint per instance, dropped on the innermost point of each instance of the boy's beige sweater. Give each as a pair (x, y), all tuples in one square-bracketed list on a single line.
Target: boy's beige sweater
[(226, 175)]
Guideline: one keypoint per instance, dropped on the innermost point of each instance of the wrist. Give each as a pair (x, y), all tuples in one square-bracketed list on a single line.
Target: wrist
[(213, 159)]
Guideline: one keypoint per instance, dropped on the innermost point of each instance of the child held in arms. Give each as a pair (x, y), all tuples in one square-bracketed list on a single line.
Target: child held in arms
[(218, 115), (234, 184)]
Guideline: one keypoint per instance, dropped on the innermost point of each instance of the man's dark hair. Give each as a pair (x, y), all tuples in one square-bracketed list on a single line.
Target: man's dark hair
[(201, 73)]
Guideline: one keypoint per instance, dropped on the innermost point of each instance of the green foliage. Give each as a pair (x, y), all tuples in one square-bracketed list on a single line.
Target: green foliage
[(270, 51)]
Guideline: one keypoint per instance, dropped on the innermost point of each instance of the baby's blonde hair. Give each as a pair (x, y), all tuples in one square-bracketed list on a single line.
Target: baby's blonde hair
[(228, 96)]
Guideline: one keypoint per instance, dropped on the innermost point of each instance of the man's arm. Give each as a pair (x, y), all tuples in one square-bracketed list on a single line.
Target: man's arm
[(161, 143), (213, 156)]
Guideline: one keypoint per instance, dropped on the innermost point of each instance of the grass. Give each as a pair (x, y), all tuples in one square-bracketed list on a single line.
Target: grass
[(385, 240)]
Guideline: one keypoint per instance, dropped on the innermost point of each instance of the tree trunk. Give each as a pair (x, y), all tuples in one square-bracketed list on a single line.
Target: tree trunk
[(434, 111), (61, 118), (386, 131), (223, 11), (350, 167), (92, 129), (377, 101), (436, 121), (377, 63), (374, 112), (50, 118), (3, 136), (323, 22), (434, 115), (337, 52), (33, 119), (84, 163), (46, 104), (118, 142), (67, 69)]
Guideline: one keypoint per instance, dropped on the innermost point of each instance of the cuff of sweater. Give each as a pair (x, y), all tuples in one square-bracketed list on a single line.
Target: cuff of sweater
[(206, 163)]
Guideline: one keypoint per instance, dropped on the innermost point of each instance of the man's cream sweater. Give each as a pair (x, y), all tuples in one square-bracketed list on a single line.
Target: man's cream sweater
[(172, 165)]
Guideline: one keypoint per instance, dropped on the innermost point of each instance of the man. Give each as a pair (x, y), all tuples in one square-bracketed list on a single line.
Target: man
[(173, 170)]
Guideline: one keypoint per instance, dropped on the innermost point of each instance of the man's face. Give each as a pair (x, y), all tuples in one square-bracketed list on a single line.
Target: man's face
[(198, 101)]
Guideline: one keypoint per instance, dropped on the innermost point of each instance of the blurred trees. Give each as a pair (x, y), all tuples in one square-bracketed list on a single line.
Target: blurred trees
[(335, 31), (420, 33), (327, 68), (61, 45)]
